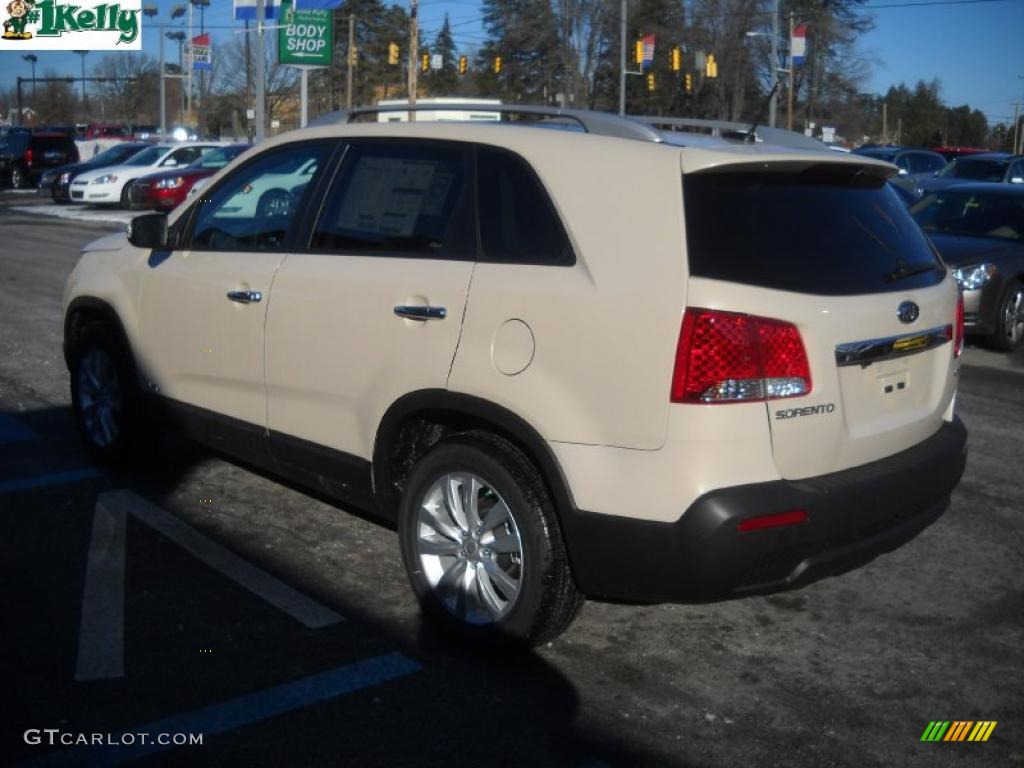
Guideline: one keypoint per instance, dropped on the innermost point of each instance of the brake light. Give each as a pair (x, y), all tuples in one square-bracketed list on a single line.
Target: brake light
[(28, 157), (724, 357), (778, 520), (958, 333)]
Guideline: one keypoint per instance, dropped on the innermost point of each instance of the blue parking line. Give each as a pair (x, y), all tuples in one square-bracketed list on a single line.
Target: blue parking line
[(54, 478), (13, 431), (234, 713)]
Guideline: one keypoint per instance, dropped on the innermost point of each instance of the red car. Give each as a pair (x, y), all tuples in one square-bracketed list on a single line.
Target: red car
[(166, 190)]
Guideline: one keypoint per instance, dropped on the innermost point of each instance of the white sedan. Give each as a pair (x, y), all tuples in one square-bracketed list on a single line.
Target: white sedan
[(110, 185)]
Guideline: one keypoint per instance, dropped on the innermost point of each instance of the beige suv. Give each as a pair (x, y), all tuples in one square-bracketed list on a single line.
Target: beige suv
[(616, 361)]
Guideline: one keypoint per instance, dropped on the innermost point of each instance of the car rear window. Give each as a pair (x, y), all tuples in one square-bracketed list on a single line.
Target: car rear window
[(45, 143), (831, 229), (976, 170)]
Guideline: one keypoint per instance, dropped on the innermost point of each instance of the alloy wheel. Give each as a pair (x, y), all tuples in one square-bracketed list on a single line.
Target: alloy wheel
[(469, 548), (99, 397)]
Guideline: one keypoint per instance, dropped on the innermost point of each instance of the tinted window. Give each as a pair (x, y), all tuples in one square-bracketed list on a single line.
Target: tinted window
[(518, 223), (254, 207), (922, 163), (828, 229), (147, 156), (401, 198), (15, 142), (952, 212), (218, 158), (977, 170)]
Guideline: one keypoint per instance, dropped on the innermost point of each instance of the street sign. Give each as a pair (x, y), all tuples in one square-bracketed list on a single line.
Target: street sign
[(437, 61), (305, 37)]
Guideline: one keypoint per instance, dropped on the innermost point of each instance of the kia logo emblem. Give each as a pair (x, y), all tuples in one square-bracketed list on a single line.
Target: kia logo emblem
[(908, 312)]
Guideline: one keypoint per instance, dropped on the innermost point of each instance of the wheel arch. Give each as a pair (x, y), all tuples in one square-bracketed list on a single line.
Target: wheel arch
[(423, 418), (86, 310)]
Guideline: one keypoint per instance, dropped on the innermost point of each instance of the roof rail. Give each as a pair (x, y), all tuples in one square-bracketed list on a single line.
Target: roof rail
[(598, 123), (729, 129)]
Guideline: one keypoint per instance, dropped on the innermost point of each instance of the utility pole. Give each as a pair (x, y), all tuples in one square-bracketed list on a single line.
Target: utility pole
[(773, 103), (1016, 127), (789, 96), (414, 54), (885, 122), (899, 130), (163, 88), (261, 74), (622, 59), (351, 57), (248, 81)]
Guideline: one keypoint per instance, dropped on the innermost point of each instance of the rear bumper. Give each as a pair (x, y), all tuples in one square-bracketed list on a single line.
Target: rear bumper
[(853, 516)]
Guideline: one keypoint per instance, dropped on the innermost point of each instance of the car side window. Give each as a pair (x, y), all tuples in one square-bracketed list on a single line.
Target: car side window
[(903, 163), (1016, 175), (399, 198), (518, 222), (254, 208)]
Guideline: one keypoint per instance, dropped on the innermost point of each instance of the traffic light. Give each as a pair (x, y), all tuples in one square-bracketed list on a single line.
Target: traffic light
[(497, 65), (353, 55), (711, 66), (392, 53), (425, 62), (677, 59), (639, 51), (650, 81), (688, 82), (463, 65)]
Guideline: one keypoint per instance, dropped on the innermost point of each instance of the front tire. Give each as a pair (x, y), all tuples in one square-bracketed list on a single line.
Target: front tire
[(1009, 331), (18, 179), (109, 408), (126, 202), (481, 544)]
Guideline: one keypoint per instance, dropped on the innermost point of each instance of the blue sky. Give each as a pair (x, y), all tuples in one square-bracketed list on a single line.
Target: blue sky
[(976, 50)]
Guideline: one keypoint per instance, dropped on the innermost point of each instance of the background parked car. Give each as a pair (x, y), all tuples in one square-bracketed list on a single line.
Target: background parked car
[(25, 156), (164, 191), (998, 167), (57, 181), (111, 185), (915, 164), (952, 153), (979, 230)]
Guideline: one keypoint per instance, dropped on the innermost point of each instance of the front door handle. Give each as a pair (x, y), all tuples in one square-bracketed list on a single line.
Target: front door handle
[(421, 313), (245, 297)]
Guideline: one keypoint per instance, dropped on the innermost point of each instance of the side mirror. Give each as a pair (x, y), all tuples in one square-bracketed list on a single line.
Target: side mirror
[(148, 231), (903, 171), (170, 162)]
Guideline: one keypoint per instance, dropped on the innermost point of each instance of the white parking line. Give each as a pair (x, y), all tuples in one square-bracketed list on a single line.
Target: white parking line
[(101, 633)]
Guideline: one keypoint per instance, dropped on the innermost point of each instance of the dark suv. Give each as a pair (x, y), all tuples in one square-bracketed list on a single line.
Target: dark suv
[(24, 156)]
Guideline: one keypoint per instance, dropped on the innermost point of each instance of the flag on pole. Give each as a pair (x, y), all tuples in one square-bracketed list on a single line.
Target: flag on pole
[(798, 45), (648, 51), (245, 10), (201, 51)]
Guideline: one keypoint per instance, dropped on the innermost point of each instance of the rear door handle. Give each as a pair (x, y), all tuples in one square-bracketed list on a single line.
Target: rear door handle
[(421, 313), (245, 297)]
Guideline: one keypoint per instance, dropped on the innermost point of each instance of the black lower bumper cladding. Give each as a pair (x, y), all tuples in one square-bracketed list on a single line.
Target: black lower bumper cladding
[(852, 517)]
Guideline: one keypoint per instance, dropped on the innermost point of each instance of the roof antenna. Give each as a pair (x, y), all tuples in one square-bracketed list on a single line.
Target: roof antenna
[(750, 138)]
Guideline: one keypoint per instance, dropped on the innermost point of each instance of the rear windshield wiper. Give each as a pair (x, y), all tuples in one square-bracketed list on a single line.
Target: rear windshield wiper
[(904, 272)]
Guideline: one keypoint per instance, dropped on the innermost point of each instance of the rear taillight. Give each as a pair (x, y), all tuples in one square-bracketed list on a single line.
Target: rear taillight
[(28, 157), (725, 357), (958, 332)]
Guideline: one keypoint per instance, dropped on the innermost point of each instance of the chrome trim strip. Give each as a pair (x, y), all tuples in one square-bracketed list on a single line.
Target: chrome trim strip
[(864, 353)]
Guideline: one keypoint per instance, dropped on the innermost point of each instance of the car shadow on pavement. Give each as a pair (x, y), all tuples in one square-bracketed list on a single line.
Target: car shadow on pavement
[(194, 639)]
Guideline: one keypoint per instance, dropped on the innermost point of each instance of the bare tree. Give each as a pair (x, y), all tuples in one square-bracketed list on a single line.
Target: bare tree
[(281, 80), (130, 91)]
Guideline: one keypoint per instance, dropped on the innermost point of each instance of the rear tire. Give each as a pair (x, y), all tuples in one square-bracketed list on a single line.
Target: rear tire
[(126, 203), (1009, 331), (113, 420), (481, 544)]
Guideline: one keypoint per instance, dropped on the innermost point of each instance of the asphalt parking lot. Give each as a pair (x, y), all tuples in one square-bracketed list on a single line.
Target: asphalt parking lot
[(198, 597)]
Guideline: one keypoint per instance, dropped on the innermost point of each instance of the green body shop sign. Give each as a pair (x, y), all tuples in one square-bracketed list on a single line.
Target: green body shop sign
[(305, 36)]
